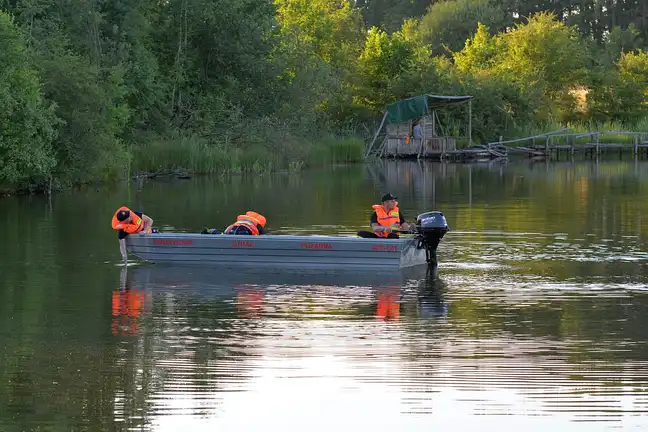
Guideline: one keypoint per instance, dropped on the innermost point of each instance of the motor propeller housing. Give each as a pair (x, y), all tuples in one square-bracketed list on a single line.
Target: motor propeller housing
[(431, 227)]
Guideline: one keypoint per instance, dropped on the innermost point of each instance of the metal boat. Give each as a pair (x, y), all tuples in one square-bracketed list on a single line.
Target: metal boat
[(295, 251)]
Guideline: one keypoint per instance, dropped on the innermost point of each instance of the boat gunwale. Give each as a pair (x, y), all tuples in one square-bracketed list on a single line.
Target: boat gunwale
[(275, 237)]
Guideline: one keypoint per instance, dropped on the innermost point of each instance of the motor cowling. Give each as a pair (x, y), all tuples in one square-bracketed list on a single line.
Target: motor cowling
[(431, 227)]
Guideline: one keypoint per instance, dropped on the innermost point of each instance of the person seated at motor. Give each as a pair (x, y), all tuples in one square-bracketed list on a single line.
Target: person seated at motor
[(385, 219), (251, 223), (125, 222)]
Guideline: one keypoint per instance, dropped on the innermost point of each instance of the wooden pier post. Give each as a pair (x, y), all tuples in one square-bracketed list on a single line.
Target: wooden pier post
[(551, 145), (470, 123), (573, 143), (636, 144), (598, 150)]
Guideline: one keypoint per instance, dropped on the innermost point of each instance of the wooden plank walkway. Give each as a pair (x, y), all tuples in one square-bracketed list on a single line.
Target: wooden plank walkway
[(593, 142), (552, 144)]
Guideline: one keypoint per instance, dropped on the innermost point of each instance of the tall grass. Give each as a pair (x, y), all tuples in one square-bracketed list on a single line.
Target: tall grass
[(256, 155), (334, 150)]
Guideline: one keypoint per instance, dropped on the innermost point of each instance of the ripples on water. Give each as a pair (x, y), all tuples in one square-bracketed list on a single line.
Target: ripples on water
[(528, 329), (487, 345)]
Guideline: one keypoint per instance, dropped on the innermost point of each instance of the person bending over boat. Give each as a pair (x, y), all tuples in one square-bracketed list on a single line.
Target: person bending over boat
[(251, 223), (125, 222), (386, 219)]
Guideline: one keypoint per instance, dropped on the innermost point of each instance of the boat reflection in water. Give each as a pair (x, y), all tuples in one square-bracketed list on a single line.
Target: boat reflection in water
[(255, 294), (217, 340)]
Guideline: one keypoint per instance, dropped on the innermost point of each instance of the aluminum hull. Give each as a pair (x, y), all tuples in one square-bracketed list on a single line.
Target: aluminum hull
[(278, 251)]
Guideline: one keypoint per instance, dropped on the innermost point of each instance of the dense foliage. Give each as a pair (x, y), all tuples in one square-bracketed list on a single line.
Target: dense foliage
[(93, 90)]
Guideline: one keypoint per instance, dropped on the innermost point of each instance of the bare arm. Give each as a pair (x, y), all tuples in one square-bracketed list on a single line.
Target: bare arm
[(122, 249), (379, 228), (373, 222), (148, 224)]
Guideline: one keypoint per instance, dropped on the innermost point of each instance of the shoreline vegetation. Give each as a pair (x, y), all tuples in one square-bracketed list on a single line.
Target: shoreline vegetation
[(249, 87)]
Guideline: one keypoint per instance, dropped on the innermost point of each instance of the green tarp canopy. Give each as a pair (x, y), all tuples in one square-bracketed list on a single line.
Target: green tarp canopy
[(419, 106)]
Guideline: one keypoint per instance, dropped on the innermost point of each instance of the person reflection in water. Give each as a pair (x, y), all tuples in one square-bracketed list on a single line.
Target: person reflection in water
[(388, 307), (249, 301), (127, 308)]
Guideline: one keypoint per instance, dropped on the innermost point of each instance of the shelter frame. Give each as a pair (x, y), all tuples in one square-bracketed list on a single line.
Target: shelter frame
[(406, 110)]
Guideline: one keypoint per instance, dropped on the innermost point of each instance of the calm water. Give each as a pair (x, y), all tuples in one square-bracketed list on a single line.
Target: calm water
[(538, 318)]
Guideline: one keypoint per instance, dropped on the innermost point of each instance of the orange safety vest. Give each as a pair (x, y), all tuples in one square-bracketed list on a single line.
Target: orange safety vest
[(388, 220), (134, 226), (250, 221), (258, 217)]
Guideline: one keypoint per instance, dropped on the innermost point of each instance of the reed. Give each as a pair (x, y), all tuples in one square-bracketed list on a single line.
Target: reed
[(202, 156), (335, 150)]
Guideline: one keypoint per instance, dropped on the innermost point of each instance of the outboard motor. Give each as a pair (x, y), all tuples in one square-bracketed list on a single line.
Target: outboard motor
[(430, 229)]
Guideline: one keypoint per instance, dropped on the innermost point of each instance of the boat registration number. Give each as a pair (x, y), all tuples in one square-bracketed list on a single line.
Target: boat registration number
[(384, 248)]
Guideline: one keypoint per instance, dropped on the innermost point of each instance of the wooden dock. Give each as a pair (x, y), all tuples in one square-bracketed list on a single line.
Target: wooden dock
[(552, 145), (562, 142), (439, 148)]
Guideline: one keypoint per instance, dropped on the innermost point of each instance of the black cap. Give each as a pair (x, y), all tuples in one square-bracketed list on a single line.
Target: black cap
[(122, 215), (388, 197)]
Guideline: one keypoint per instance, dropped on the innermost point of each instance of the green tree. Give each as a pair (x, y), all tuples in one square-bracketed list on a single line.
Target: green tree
[(27, 125), (544, 57), (479, 53), (389, 15), (321, 39), (385, 60), (617, 42), (449, 23), (333, 28), (622, 94), (91, 102)]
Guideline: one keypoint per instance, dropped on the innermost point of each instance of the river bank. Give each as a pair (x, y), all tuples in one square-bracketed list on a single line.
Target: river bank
[(188, 156)]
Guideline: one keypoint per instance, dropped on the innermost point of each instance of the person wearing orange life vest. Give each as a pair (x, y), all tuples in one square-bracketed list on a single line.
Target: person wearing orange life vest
[(125, 222), (385, 219), (251, 223)]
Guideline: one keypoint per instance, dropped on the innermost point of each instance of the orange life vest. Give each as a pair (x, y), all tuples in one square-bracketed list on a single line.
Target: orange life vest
[(258, 217), (250, 221), (134, 226), (387, 220)]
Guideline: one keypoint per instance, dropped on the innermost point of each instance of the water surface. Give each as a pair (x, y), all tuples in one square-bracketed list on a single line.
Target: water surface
[(538, 318)]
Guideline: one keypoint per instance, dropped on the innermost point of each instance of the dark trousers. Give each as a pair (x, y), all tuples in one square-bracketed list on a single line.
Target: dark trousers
[(369, 234)]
